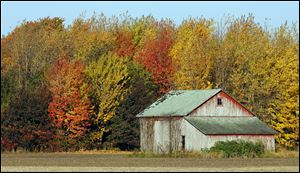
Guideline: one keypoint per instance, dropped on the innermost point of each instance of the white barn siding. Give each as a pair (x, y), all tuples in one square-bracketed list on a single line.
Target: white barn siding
[(228, 108), (160, 135), (146, 134), (194, 139)]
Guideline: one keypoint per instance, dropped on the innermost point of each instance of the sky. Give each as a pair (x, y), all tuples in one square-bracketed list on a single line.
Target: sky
[(274, 13)]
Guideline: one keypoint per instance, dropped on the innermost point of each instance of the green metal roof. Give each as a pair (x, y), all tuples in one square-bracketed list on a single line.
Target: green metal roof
[(230, 125), (178, 103)]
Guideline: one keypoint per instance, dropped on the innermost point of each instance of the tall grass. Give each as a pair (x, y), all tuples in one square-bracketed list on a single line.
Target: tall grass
[(282, 152)]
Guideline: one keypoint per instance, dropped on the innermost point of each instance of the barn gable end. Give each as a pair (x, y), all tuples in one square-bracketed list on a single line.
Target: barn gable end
[(228, 107)]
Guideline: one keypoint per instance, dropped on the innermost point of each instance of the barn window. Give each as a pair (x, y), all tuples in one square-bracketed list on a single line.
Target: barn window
[(219, 101), (183, 142)]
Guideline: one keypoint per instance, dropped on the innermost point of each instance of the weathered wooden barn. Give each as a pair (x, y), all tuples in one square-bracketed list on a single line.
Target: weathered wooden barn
[(195, 119)]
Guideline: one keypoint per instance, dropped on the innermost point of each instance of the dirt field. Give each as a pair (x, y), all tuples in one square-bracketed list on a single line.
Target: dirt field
[(121, 162)]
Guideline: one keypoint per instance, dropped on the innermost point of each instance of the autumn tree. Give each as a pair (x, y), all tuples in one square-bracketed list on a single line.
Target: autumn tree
[(155, 58), (91, 38), (26, 53), (144, 28), (7, 72), (192, 54), (124, 44), (122, 30), (108, 78), (223, 57), (70, 109), (284, 74), (245, 51)]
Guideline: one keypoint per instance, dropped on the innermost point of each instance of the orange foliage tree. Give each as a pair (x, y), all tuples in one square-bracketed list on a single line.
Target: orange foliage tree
[(124, 44), (70, 109)]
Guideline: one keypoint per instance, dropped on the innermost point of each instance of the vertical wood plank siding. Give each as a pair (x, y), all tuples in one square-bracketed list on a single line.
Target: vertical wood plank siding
[(160, 135)]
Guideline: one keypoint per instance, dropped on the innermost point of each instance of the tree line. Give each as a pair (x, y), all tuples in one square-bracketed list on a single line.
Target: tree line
[(65, 88)]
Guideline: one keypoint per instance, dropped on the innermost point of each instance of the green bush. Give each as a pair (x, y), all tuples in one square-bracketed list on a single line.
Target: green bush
[(239, 148)]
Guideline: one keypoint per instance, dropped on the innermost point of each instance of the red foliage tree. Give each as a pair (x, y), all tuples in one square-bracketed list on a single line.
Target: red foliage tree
[(70, 109), (154, 56)]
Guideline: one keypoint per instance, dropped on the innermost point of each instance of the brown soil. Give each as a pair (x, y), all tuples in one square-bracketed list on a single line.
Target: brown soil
[(121, 161)]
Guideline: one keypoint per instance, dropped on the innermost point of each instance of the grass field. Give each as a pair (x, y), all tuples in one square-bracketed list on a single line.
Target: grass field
[(120, 161)]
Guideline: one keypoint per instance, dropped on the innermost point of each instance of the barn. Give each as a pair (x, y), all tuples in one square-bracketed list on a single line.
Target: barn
[(192, 120)]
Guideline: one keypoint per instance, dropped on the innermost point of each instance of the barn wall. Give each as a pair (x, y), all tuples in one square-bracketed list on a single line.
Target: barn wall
[(163, 135), (229, 107), (195, 140), (160, 135), (146, 134)]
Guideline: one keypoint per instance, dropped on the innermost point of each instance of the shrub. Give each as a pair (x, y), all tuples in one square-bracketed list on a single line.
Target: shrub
[(239, 148)]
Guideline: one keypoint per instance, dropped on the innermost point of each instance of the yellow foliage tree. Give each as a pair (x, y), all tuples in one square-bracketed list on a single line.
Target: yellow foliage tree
[(285, 76), (246, 48), (108, 78), (261, 71), (192, 54), (90, 39)]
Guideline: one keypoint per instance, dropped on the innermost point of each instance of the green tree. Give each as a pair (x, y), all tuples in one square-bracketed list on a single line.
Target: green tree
[(124, 126), (25, 123)]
